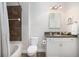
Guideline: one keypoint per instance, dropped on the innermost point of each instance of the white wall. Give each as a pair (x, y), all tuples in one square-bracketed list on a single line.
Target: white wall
[(39, 20), (25, 26), (73, 11)]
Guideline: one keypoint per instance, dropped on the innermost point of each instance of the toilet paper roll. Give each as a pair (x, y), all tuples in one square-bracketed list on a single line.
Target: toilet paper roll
[(44, 42)]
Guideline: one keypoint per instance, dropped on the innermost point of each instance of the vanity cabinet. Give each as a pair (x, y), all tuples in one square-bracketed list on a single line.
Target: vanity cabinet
[(61, 47)]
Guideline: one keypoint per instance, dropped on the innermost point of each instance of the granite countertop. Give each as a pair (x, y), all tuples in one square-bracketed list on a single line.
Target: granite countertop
[(59, 35), (62, 36)]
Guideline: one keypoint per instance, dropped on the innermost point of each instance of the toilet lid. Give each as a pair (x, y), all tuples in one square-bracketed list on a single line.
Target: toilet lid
[(32, 49)]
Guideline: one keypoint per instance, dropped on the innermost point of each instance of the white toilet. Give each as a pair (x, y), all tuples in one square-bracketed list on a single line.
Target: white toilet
[(32, 49)]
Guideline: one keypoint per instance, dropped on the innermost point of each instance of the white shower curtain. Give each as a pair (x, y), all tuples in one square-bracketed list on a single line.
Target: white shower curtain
[(4, 26), (0, 31), (0, 39)]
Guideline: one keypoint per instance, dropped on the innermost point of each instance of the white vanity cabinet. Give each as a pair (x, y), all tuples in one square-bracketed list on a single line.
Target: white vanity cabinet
[(61, 47)]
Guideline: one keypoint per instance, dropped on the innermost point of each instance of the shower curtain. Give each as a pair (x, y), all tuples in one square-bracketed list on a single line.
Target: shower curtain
[(4, 31), (0, 40)]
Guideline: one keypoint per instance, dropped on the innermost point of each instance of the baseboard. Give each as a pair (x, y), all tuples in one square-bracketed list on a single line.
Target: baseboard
[(38, 54)]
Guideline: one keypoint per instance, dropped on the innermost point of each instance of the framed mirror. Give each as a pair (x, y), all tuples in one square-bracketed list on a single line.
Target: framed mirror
[(54, 20)]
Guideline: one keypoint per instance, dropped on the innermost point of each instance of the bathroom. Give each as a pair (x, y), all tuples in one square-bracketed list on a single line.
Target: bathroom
[(35, 22)]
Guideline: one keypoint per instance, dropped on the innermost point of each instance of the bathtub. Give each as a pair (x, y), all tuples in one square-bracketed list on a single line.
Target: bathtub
[(15, 49)]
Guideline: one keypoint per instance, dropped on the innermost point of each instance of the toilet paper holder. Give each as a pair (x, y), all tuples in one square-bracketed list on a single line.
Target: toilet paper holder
[(43, 42)]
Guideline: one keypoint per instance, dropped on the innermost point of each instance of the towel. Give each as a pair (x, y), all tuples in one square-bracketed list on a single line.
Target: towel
[(74, 28)]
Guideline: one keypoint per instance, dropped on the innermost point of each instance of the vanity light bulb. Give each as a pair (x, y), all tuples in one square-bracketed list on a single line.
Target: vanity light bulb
[(50, 7)]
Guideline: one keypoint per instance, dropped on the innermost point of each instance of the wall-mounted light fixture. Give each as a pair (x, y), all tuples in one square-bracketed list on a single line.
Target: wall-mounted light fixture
[(55, 7)]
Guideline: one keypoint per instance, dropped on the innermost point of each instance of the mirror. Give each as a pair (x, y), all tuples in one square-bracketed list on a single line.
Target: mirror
[(54, 20)]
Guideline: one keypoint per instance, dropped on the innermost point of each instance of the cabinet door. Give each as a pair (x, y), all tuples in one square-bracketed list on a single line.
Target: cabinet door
[(69, 47), (53, 49)]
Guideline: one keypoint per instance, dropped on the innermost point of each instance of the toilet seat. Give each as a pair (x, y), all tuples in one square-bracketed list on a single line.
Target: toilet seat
[(32, 49)]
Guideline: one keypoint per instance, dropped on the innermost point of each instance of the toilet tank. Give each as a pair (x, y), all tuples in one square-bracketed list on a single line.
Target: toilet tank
[(34, 40)]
